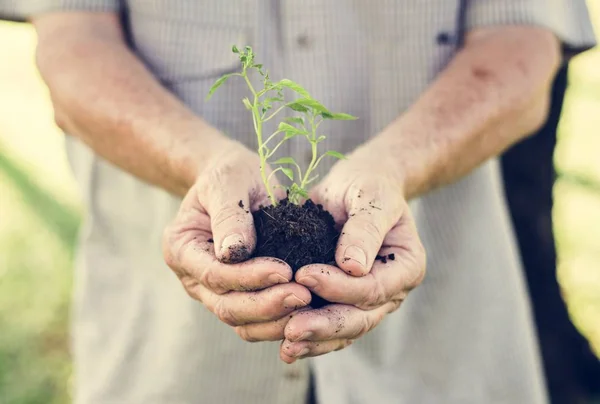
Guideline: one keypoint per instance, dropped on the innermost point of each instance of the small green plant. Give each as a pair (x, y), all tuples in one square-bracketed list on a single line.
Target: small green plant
[(264, 105)]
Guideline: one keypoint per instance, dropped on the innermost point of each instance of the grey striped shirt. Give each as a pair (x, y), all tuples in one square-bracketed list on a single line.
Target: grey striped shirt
[(464, 336)]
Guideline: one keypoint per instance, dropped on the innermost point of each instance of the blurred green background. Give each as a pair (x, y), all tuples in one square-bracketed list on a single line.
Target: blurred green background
[(40, 212)]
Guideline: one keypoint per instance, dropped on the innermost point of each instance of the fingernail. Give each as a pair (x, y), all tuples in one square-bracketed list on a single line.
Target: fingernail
[(232, 240), (277, 278), (293, 301), (356, 254), (302, 352), (308, 281), (305, 336)]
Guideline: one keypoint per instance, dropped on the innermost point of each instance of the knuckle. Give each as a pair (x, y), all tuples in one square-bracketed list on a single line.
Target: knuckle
[(245, 334), (227, 213), (225, 314), (371, 230), (210, 278), (366, 325), (377, 295)]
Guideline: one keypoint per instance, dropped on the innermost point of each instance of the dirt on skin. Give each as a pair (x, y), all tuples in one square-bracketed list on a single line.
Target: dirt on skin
[(298, 235)]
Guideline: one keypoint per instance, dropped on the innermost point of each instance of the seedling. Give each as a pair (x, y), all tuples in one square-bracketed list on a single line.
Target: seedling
[(265, 104)]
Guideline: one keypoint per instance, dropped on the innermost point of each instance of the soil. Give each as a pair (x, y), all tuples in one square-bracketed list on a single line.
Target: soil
[(298, 235)]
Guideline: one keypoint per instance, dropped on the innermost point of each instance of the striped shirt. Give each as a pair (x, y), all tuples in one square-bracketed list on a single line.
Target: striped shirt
[(464, 336)]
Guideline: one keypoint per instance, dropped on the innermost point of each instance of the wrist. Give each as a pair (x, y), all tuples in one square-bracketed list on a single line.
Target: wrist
[(378, 156), (199, 144)]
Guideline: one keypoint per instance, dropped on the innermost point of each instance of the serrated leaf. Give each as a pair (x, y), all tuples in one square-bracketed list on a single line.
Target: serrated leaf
[(220, 81), (295, 119), (286, 127), (285, 160), (335, 154), (247, 103), (288, 173), (294, 87)]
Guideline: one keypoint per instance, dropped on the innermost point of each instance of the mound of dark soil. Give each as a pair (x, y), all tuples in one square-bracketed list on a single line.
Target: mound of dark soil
[(298, 235)]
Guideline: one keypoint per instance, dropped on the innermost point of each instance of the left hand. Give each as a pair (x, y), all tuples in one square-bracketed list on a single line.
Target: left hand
[(376, 219)]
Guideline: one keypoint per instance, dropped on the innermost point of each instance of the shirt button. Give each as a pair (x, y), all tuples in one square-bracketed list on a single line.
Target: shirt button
[(302, 40), (292, 373)]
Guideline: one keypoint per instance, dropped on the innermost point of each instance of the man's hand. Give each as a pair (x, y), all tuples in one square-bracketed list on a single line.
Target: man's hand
[(214, 232), (377, 222)]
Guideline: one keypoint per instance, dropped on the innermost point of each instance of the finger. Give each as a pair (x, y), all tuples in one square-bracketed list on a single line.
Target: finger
[(401, 270), (335, 322), (289, 352), (240, 308), (370, 218), (269, 331), (225, 197), (191, 254)]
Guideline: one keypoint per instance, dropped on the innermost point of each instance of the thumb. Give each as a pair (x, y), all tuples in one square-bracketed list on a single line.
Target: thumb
[(231, 222), (369, 220)]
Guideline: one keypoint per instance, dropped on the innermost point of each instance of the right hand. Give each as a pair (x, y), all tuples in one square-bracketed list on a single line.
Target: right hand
[(213, 235)]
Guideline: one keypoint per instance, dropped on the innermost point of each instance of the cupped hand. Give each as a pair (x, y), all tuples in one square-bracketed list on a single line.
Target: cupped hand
[(379, 259), (211, 238)]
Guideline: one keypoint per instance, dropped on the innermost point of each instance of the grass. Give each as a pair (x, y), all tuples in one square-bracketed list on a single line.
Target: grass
[(40, 212)]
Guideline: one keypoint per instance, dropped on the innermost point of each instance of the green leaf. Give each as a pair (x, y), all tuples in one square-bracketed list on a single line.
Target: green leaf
[(297, 107), (344, 117), (338, 116), (258, 66), (321, 138), (247, 103), (220, 81), (288, 173), (295, 119), (235, 49), (285, 160), (289, 135), (310, 103), (286, 127), (294, 87), (295, 188), (335, 154)]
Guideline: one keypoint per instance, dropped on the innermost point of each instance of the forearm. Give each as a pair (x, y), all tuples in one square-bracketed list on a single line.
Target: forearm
[(495, 92), (103, 95)]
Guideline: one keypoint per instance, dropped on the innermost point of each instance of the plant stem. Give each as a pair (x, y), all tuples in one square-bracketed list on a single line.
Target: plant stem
[(313, 144), (258, 129)]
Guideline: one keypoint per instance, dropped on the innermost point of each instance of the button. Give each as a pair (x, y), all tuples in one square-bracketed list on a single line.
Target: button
[(292, 373), (303, 40), (444, 38)]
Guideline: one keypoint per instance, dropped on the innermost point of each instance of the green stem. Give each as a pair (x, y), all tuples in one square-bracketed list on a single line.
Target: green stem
[(274, 113), (313, 162), (261, 152)]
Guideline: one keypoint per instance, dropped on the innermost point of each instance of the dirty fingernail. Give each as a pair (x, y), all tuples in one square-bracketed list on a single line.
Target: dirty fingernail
[(356, 254), (277, 278), (231, 241), (302, 352), (293, 301), (308, 281)]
